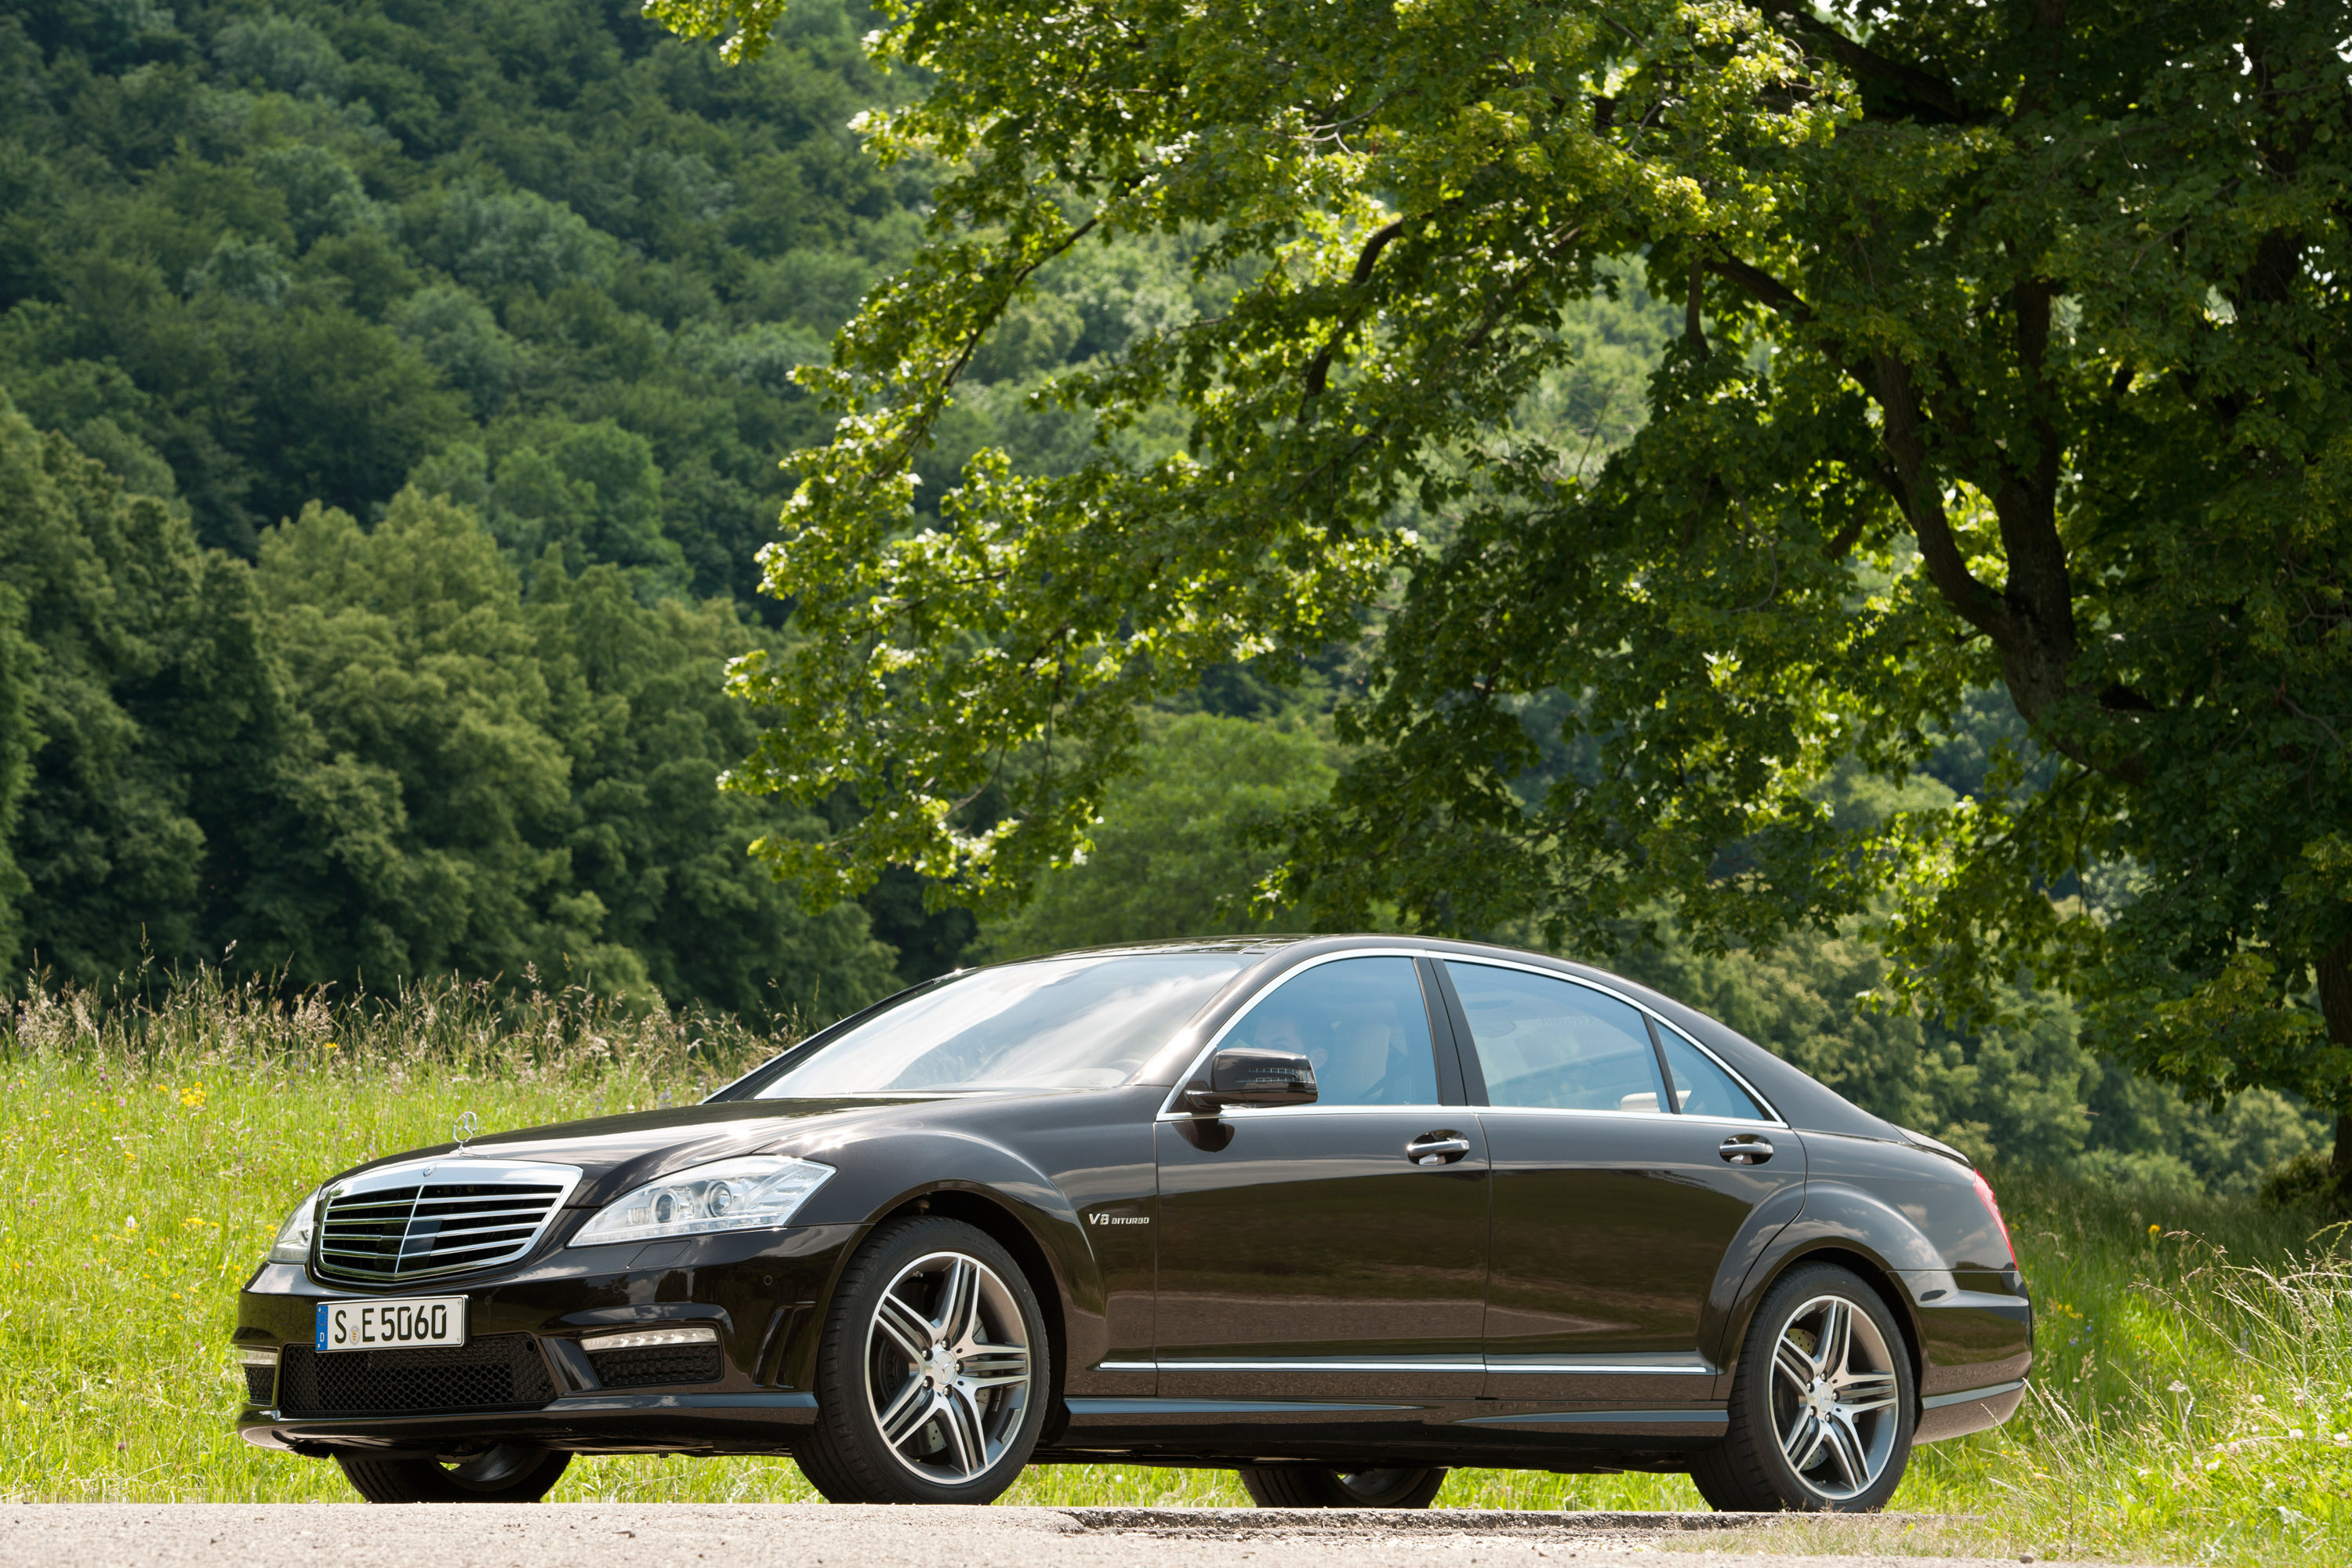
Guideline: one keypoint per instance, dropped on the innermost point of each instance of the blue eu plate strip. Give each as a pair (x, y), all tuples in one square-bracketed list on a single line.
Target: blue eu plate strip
[(322, 1325)]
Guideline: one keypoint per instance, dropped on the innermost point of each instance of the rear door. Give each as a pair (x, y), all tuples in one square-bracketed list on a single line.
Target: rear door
[(1308, 1251), (1621, 1207)]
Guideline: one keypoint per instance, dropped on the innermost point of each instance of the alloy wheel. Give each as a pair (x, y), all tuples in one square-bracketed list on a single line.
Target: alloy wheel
[(947, 1367), (1833, 1398)]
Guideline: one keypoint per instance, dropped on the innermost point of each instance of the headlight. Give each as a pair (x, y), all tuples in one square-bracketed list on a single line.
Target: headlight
[(757, 1192), (293, 1243)]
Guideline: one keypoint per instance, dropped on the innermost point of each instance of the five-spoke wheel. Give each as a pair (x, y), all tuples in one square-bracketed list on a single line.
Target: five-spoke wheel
[(1822, 1404), (929, 1381)]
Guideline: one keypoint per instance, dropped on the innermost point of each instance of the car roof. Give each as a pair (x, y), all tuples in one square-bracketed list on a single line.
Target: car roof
[(1804, 1100)]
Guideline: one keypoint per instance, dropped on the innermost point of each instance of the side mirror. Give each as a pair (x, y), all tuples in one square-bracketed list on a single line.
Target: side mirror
[(1245, 1075)]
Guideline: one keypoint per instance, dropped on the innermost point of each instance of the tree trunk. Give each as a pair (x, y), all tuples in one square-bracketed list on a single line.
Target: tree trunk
[(2335, 1007)]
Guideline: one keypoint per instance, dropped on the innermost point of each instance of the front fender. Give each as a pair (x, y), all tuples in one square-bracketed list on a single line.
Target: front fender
[(875, 1178)]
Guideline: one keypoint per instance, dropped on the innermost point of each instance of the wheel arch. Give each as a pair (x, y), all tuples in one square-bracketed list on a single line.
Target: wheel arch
[(1860, 1233), (993, 1217)]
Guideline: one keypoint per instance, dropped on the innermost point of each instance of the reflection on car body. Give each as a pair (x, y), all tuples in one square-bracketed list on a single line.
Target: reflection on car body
[(1338, 1212)]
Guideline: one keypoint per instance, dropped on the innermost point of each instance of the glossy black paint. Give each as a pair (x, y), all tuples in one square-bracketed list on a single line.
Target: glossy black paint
[(1567, 1290)]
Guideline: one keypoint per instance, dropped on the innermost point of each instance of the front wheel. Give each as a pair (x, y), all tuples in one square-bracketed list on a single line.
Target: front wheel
[(504, 1472), (1320, 1486), (1821, 1405), (930, 1379)]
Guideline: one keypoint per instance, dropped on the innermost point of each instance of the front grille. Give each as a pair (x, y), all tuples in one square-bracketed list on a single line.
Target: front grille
[(657, 1364), (496, 1372), (258, 1380), (389, 1234)]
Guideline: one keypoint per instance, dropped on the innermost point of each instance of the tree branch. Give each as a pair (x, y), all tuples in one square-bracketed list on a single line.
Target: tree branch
[(1319, 368), (1864, 64)]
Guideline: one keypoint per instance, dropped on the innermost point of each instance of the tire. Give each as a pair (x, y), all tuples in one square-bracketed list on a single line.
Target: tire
[(507, 1472), (1823, 1404), (931, 1377), (1320, 1486)]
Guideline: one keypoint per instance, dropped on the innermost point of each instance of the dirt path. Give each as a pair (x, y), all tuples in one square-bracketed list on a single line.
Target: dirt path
[(770, 1535)]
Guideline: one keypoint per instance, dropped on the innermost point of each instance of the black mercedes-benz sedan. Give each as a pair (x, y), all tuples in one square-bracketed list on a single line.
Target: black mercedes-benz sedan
[(1336, 1212)]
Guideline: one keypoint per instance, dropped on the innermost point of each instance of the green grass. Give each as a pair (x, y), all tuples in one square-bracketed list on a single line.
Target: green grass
[(2192, 1400)]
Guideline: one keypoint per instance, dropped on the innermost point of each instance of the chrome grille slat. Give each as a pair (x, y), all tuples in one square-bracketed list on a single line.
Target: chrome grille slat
[(398, 1224)]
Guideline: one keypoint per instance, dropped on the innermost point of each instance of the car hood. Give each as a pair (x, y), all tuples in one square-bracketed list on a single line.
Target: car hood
[(614, 1153)]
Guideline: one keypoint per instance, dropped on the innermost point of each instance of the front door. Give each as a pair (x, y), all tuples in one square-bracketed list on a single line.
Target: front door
[(1307, 1251), (1615, 1212)]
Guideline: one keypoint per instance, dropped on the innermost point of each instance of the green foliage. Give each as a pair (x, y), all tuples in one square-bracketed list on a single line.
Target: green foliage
[(302, 251), (1987, 376), (1177, 852), (135, 668), (372, 758)]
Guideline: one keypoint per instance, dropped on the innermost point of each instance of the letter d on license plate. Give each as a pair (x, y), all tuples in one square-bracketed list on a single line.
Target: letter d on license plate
[(391, 1325)]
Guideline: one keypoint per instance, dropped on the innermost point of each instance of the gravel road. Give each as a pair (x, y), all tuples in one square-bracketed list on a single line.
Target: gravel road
[(773, 1535)]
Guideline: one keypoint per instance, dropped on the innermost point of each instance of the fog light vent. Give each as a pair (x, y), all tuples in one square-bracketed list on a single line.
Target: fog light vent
[(260, 1369)]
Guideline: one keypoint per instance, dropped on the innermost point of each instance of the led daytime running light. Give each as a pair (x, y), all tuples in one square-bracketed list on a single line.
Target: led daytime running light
[(651, 1339)]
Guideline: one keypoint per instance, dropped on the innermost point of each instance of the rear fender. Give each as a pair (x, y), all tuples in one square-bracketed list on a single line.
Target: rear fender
[(1838, 1219)]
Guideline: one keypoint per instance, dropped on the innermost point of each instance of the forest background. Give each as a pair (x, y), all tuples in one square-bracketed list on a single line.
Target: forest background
[(393, 398)]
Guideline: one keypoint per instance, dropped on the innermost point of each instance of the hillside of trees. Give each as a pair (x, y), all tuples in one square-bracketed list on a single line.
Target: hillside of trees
[(395, 397)]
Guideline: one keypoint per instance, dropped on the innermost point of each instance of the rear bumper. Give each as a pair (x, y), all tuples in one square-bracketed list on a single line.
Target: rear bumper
[(758, 1290), (1956, 1414), (1976, 1345)]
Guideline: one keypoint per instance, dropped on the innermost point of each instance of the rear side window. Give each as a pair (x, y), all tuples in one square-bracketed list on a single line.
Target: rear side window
[(1361, 1022), (1703, 1088), (1554, 1043)]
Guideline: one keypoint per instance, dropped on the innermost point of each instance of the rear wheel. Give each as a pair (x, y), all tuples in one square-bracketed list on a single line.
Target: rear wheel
[(930, 1378), (504, 1472), (1322, 1485), (1822, 1404)]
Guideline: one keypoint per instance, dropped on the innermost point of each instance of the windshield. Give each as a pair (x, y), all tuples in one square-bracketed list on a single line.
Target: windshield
[(1059, 1022)]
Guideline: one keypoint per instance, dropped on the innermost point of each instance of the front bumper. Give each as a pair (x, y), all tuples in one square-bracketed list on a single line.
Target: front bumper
[(760, 1290)]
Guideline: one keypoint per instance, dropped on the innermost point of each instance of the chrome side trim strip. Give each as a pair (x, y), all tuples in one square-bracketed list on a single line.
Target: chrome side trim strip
[(1083, 1408), (1336, 1364), (1126, 1367), (1604, 1418), (1589, 1368), (1966, 1395)]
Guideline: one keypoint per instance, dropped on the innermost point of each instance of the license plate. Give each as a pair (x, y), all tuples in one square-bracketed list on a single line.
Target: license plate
[(391, 1325)]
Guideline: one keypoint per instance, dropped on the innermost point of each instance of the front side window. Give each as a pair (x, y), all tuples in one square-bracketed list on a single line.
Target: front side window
[(1360, 1021), (1555, 1045), (1059, 1022)]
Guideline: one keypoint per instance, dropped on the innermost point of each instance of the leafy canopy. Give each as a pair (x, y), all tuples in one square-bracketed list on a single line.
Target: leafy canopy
[(2014, 351)]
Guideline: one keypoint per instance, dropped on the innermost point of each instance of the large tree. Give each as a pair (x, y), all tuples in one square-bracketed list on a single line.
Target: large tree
[(2015, 351)]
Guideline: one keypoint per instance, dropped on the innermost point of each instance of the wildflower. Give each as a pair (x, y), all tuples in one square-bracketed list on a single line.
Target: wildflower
[(2154, 1228), (2176, 1386)]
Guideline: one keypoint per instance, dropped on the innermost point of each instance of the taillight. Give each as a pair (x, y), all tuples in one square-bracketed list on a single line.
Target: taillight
[(1992, 1207)]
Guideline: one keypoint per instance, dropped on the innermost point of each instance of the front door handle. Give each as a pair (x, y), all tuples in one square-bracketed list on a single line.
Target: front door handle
[(1437, 1148), (1745, 1149)]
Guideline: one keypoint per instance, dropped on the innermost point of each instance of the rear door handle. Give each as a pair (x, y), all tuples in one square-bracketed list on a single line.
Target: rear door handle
[(1745, 1149), (1437, 1148)]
